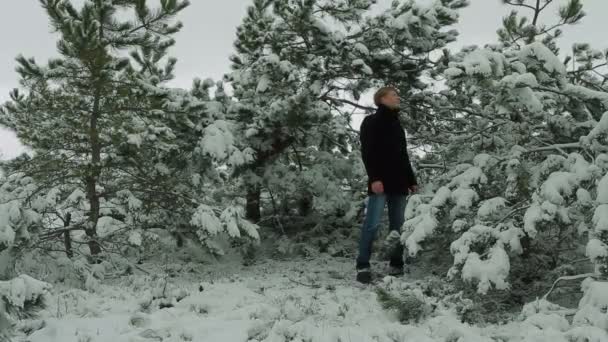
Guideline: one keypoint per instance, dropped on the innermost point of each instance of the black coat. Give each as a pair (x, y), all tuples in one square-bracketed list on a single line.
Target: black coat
[(384, 152)]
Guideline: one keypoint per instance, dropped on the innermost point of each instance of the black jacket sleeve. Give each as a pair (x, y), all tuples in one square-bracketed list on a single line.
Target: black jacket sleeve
[(370, 149)]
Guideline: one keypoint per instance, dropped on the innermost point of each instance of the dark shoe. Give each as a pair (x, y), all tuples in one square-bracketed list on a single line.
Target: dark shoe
[(395, 271), (364, 276)]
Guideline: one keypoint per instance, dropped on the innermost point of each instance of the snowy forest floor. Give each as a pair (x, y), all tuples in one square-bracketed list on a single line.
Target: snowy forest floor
[(274, 301)]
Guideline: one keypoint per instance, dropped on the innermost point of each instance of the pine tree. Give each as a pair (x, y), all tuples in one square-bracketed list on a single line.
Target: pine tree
[(301, 69), (117, 152), (278, 109), (79, 110)]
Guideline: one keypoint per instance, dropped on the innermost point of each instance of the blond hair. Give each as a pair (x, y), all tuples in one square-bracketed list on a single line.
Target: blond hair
[(382, 92)]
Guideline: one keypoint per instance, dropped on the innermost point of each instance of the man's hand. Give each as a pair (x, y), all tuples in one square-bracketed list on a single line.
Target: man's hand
[(377, 187), (413, 189)]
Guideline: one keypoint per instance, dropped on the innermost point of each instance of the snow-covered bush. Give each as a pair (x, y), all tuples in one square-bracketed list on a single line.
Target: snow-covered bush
[(408, 305), (22, 292), (521, 141), (20, 297), (15, 216), (592, 307)]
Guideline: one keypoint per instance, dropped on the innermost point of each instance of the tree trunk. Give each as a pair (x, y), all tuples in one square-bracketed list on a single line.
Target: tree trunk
[(252, 209), (91, 180), (67, 238), (8, 263), (305, 204)]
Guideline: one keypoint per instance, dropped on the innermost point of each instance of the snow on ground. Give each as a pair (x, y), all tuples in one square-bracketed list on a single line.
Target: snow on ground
[(266, 302), (309, 300)]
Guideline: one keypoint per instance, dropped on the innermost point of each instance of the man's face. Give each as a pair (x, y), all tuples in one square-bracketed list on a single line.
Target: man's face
[(391, 100)]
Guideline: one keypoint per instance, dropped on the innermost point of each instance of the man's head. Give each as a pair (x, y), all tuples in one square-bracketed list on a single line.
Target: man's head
[(387, 96)]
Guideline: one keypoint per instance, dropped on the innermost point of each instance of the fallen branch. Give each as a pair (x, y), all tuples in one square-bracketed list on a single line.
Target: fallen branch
[(314, 286), (431, 166), (558, 147)]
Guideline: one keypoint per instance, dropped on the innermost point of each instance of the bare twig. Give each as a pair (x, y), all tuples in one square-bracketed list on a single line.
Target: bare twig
[(557, 147), (574, 277), (369, 109), (513, 212), (520, 5), (537, 11)]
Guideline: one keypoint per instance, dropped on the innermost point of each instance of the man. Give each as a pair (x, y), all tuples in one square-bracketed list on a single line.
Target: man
[(390, 178)]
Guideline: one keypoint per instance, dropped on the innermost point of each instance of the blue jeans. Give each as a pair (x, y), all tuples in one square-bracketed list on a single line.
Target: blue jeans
[(369, 230)]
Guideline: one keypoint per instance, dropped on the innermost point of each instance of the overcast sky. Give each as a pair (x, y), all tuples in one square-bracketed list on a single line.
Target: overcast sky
[(205, 43)]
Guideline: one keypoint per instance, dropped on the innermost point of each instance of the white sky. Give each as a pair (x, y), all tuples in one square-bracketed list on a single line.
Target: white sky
[(204, 44)]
